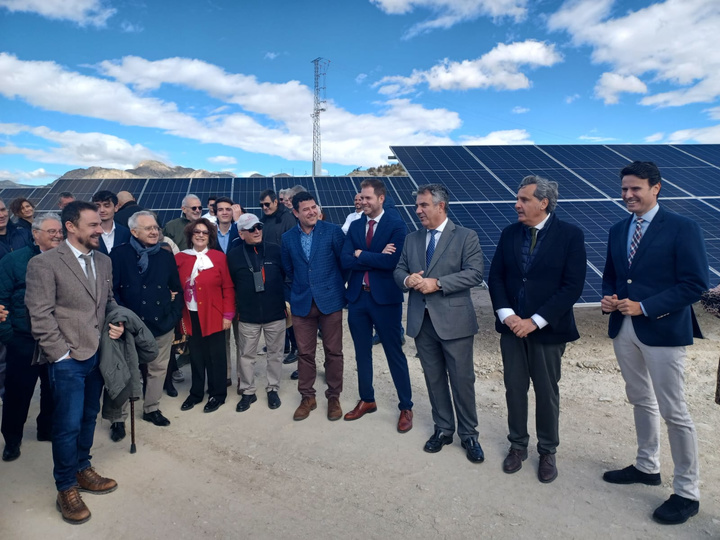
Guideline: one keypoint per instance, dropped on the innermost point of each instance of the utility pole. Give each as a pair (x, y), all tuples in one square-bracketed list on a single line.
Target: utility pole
[(321, 65)]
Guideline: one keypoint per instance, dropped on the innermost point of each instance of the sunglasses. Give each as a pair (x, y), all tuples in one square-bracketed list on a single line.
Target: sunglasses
[(201, 233), (256, 227), (195, 208), (265, 204)]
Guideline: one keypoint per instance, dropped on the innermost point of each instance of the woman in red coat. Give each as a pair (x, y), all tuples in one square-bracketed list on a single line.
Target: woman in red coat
[(209, 310)]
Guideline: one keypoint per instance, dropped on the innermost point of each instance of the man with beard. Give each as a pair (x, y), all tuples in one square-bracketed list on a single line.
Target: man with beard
[(68, 291)]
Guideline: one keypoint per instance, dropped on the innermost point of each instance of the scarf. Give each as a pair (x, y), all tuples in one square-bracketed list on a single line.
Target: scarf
[(143, 253), (202, 262)]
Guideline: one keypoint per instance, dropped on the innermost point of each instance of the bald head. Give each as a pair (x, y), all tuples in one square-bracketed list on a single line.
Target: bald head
[(124, 197)]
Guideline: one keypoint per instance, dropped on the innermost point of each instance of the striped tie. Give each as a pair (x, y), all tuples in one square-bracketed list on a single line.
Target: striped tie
[(430, 249), (635, 242)]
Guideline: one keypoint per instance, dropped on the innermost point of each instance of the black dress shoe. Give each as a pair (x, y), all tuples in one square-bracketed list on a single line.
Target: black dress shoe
[(473, 450), (170, 389), (547, 470), (514, 459), (117, 431), (213, 405), (11, 452), (291, 358), (437, 441), (188, 404), (295, 375), (676, 510), (157, 418), (245, 401), (630, 475), (273, 399)]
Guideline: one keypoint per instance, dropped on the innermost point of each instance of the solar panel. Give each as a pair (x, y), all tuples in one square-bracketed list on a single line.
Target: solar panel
[(709, 153)]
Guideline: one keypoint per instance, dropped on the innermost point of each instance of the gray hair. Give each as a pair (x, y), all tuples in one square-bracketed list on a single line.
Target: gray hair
[(291, 192), (282, 193), (38, 221), (132, 220), (546, 189), (438, 191), (188, 197)]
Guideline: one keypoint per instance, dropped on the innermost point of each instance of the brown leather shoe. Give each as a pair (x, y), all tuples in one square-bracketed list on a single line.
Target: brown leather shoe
[(306, 405), (361, 409), (514, 459), (71, 506), (547, 471), (90, 481), (334, 409), (405, 421)]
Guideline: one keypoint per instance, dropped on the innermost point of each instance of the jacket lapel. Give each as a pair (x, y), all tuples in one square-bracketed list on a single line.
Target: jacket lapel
[(654, 231), (68, 257), (445, 239)]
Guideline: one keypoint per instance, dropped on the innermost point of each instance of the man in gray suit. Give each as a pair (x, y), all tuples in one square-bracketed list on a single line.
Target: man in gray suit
[(439, 265), (69, 289)]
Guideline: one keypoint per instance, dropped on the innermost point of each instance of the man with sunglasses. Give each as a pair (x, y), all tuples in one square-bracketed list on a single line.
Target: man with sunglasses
[(257, 273), (175, 229), (276, 219)]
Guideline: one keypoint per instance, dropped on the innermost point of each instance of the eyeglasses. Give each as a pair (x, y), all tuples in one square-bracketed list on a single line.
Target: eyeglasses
[(51, 232), (256, 227), (150, 228), (265, 204), (201, 233), (194, 208)]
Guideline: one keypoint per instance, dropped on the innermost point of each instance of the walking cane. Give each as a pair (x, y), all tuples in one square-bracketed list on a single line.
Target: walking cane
[(132, 425)]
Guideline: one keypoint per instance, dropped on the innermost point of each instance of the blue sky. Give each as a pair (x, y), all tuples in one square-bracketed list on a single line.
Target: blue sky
[(228, 85)]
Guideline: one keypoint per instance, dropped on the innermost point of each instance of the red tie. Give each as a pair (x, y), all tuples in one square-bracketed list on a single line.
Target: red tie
[(368, 241)]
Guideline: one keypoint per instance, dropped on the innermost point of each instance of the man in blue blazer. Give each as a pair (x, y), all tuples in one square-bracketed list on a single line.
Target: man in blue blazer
[(311, 258), (371, 252), (656, 268), (113, 234), (537, 275)]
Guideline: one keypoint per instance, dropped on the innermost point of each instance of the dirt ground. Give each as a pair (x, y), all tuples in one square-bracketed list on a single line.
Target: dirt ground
[(259, 474)]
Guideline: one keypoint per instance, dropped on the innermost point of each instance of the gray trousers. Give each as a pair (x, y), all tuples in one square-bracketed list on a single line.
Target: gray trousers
[(275, 342), (524, 359), (451, 360), (654, 382)]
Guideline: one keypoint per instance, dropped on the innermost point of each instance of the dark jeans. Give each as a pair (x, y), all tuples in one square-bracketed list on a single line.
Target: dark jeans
[(524, 360), (306, 329), (207, 353), (76, 387), (21, 379), (362, 315)]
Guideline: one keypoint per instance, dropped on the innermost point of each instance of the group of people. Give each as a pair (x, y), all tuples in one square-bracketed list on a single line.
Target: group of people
[(235, 273)]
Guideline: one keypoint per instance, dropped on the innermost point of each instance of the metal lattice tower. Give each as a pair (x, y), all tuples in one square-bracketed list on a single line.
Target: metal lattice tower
[(321, 65)]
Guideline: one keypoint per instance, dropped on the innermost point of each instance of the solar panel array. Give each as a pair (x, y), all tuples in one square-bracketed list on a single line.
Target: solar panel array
[(482, 181)]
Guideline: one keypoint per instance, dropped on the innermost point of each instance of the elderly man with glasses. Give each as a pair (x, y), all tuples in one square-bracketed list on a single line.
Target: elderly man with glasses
[(15, 333), (175, 229)]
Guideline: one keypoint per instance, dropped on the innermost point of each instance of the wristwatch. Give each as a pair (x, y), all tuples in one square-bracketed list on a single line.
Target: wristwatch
[(439, 285)]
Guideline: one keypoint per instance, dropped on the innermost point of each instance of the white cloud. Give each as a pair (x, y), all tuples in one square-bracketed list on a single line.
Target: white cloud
[(504, 137), (271, 55), (131, 28), (595, 138), (80, 149), (83, 12), (611, 85), (707, 135), (519, 110), (498, 68), (361, 78), (714, 113), (570, 99), (447, 13), (223, 160), (655, 137), (669, 42), (265, 118)]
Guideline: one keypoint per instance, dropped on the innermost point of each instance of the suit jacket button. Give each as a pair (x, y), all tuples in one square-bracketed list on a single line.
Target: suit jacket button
[(629, 281), (524, 280)]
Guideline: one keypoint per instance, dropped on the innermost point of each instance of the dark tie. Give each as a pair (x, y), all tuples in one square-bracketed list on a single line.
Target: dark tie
[(368, 241), (430, 249), (635, 241), (89, 271), (533, 239)]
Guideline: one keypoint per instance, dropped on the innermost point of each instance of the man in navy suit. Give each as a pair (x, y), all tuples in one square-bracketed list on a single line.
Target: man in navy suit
[(113, 234), (656, 268), (371, 252), (537, 275), (311, 258)]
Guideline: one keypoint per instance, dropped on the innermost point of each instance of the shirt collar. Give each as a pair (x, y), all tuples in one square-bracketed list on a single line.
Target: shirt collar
[(440, 228), (540, 225), (649, 215), (377, 219), (76, 251)]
